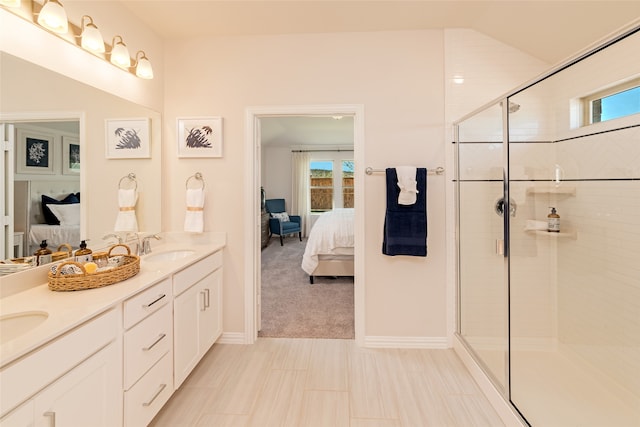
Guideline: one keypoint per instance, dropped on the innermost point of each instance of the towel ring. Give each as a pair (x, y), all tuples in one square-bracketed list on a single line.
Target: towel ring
[(197, 176), (132, 178)]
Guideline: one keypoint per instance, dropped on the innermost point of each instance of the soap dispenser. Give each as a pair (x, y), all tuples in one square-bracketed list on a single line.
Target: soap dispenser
[(553, 221), (43, 255), (83, 254)]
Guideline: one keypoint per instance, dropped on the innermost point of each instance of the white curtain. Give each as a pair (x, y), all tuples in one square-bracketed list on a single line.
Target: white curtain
[(300, 192)]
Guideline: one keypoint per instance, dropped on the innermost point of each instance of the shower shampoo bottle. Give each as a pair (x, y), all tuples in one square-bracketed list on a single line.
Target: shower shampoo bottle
[(553, 221)]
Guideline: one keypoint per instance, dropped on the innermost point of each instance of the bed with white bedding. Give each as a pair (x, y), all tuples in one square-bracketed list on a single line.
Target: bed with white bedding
[(30, 219), (329, 250)]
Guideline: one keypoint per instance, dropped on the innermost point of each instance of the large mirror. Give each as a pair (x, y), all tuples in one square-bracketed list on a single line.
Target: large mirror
[(37, 104)]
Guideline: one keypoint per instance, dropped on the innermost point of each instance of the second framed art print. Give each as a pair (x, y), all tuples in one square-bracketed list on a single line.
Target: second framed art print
[(200, 137)]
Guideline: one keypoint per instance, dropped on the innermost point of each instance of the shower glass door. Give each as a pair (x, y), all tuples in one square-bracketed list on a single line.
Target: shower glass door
[(575, 294), (482, 277)]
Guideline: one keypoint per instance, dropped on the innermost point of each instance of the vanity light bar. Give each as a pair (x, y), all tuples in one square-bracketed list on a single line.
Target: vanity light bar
[(30, 12)]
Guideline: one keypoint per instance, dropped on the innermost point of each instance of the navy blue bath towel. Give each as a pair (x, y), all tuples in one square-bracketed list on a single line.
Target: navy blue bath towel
[(405, 226)]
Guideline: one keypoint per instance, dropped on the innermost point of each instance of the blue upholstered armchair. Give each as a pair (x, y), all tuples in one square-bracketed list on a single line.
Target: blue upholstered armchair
[(280, 222)]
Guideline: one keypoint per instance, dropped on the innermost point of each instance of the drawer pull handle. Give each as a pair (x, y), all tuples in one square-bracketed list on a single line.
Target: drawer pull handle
[(149, 403), (207, 296), (153, 344), (52, 415), (204, 300), (154, 301)]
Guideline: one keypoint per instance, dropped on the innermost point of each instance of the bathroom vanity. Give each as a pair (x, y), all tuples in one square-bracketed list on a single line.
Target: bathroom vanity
[(110, 356)]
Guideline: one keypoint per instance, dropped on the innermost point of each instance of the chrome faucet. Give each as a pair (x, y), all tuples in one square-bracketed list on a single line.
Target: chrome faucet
[(145, 247), (115, 236), (137, 241)]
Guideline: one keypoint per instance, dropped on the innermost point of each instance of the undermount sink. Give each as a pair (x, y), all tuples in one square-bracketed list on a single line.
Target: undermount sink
[(167, 256), (16, 324)]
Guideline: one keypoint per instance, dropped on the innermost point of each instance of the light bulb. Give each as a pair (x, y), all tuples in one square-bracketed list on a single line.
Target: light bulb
[(143, 66), (53, 17), (91, 38), (120, 54)]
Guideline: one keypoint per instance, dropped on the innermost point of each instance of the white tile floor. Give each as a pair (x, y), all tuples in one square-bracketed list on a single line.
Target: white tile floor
[(309, 382)]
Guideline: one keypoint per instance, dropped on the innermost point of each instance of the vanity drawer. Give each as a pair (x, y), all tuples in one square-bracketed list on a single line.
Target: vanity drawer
[(149, 301), (143, 401), (186, 278), (146, 343)]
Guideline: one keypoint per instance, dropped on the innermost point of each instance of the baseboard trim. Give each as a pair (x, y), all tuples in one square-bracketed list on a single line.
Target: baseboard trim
[(232, 338), (406, 342), (504, 409)]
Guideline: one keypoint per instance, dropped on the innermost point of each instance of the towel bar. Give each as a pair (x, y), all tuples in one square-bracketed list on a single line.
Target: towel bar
[(437, 171), (196, 176), (131, 177)]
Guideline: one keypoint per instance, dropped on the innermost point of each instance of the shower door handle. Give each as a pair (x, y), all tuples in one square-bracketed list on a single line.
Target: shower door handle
[(500, 246)]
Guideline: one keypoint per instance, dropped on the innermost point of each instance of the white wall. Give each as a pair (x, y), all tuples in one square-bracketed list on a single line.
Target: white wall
[(398, 77)]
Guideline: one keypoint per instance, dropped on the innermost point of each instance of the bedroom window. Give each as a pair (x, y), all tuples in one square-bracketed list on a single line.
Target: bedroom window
[(347, 184), (321, 185), (331, 185)]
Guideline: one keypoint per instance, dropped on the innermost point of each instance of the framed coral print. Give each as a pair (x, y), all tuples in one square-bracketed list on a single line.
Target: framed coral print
[(200, 137), (128, 138), (70, 155), (35, 152)]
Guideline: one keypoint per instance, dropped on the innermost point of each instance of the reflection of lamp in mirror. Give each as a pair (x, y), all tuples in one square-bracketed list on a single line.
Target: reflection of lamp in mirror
[(120, 53), (10, 3), (91, 38), (143, 66), (53, 17)]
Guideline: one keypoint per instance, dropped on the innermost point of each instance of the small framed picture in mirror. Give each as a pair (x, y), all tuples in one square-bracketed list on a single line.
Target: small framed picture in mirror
[(128, 138), (70, 155), (200, 137), (35, 152)]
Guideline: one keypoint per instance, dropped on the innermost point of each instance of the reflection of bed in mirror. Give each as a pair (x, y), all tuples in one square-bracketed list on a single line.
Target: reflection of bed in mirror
[(30, 219), (329, 250)]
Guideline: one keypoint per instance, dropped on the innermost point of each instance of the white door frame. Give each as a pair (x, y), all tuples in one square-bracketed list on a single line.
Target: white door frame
[(252, 206)]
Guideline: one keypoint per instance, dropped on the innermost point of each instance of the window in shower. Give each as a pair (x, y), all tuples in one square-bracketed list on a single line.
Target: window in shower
[(619, 101)]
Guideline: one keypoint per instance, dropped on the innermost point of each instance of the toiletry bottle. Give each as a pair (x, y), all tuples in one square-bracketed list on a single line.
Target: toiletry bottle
[(553, 221), (83, 254), (43, 255)]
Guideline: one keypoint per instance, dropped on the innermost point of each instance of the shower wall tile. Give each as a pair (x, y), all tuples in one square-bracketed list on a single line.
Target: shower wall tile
[(610, 155), (599, 279)]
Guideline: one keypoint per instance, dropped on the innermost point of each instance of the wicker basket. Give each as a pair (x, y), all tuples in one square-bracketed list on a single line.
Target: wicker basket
[(76, 282), (57, 256)]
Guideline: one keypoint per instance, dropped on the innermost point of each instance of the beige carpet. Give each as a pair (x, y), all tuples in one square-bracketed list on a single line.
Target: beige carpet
[(291, 307)]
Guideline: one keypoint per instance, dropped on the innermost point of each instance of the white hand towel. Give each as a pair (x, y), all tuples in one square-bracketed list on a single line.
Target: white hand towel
[(194, 218), (126, 220), (408, 185)]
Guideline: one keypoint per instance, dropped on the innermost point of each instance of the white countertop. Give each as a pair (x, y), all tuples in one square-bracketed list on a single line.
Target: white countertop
[(68, 310)]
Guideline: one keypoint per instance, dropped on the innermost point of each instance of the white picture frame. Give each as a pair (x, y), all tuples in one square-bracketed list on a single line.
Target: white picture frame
[(35, 152), (199, 137), (128, 138), (70, 155)]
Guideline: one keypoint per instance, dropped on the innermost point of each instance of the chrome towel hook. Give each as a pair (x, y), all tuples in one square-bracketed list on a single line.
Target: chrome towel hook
[(198, 177)]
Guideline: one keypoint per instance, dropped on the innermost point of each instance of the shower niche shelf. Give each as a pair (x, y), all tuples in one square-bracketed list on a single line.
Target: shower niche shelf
[(561, 191), (561, 235)]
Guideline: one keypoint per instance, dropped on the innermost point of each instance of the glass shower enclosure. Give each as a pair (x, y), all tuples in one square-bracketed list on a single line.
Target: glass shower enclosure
[(553, 318)]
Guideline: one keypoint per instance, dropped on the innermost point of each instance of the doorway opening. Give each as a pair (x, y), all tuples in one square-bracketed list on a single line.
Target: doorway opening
[(255, 118)]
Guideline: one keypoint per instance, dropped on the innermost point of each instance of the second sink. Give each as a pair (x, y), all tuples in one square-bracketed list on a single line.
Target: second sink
[(167, 256), (16, 324)]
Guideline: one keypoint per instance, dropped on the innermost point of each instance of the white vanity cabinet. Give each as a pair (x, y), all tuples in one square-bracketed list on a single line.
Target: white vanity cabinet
[(197, 311), (64, 388), (148, 353)]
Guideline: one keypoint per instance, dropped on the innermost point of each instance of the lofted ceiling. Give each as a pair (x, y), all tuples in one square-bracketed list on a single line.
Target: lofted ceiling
[(550, 30)]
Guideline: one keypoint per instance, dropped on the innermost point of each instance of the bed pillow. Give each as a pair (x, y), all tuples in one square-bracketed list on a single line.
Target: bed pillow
[(67, 214), (282, 216), (49, 217)]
